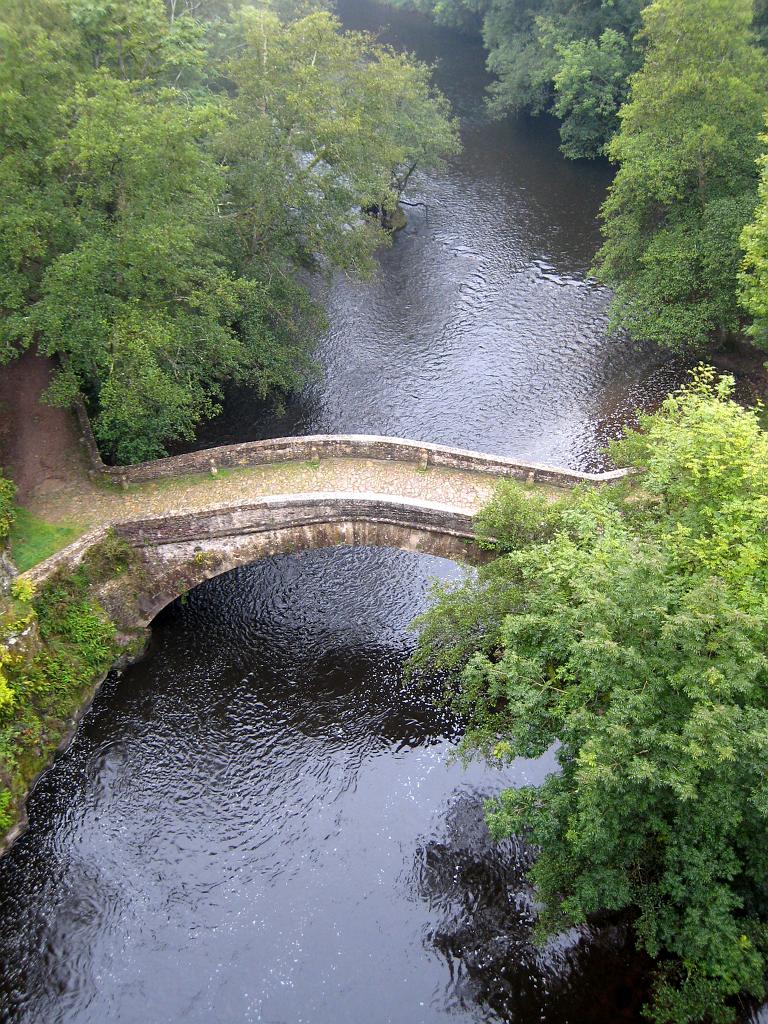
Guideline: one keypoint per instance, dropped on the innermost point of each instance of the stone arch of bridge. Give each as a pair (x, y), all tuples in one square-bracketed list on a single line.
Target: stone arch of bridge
[(177, 552), (204, 560)]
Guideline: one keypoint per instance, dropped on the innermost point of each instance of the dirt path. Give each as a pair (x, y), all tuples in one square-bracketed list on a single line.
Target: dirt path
[(38, 444)]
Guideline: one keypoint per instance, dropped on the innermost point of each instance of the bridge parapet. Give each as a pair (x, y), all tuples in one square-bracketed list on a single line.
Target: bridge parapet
[(335, 446)]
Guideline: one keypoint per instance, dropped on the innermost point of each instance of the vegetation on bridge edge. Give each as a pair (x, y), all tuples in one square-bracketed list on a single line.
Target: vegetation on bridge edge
[(55, 646)]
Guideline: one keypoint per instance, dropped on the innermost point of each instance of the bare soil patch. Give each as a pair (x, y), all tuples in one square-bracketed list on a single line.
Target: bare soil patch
[(39, 445)]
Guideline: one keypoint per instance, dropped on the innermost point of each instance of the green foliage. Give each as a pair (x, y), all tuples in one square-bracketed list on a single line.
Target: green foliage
[(164, 195), (464, 15), (22, 590), (6, 816), (590, 86), (7, 512), (753, 281), (568, 57), (687, 180), (571, 58), (72, 625), (7, 695), (632, 633), (707, 467), (42, 685), (112, 556), (517, 516)]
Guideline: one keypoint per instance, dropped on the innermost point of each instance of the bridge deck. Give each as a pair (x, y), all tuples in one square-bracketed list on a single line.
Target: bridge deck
[(84, 503), (71, 486)]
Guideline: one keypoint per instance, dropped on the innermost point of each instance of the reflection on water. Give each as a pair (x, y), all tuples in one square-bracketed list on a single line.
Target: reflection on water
[(257, 823), (480, 328), (483, 911)]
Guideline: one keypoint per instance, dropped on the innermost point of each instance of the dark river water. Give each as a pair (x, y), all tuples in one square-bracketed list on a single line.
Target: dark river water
[(258, 822)]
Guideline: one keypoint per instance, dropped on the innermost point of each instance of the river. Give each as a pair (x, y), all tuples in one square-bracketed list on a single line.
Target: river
[(481, 328), (259, 821)]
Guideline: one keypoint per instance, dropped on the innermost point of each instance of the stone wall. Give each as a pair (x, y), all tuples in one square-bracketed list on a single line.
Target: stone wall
[(332, 446), (292, 510)]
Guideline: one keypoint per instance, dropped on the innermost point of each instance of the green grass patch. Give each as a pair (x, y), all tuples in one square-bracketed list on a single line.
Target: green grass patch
[(32, 539)]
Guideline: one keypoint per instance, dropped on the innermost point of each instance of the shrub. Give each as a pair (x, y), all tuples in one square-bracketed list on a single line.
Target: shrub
[(22, 590), (7, 492)]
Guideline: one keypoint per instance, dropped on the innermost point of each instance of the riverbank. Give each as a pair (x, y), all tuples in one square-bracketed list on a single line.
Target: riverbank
[(57, 645)]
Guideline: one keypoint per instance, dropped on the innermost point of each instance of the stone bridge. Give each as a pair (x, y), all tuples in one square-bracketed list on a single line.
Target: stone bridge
[(193, 516)]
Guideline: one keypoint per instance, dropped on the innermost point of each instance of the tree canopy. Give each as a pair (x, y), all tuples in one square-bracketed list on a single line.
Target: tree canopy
[(753, 282), (568, 57), (627, 626), (687, 177), (169, 176)]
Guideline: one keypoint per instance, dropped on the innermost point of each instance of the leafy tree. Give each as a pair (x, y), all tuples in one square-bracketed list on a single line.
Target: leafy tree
[(142, 303), (325, 124), (35, 77), (753, 291), (629, 628), (590, 86), (571, 58), (164, 196), (686, 183)]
